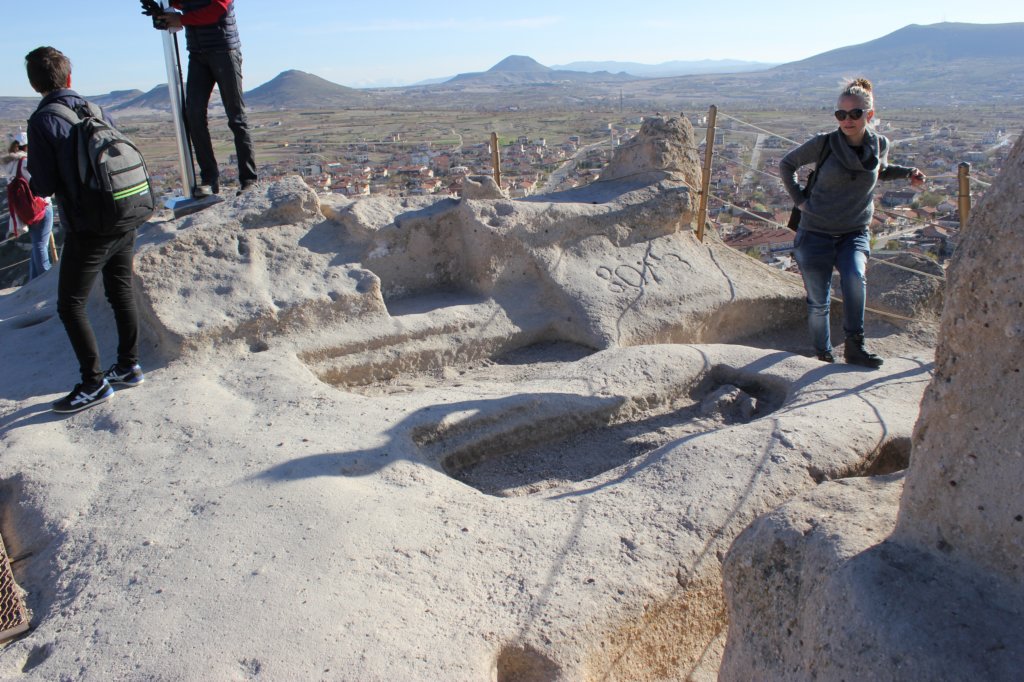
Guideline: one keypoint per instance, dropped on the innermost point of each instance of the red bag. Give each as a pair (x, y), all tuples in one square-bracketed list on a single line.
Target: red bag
[(29, 208)]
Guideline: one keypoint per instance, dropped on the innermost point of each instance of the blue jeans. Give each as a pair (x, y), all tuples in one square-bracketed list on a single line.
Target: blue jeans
[(817, 254), (39, 258)]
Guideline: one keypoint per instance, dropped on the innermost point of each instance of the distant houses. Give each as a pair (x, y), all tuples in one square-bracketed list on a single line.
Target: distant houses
[(894, 198), (767, 241), (748, 205)]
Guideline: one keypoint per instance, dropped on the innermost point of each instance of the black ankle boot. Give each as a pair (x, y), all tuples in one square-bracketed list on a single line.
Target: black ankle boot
[(855, 353)]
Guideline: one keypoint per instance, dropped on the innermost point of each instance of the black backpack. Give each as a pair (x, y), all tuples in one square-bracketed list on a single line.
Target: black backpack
[(114, 187)]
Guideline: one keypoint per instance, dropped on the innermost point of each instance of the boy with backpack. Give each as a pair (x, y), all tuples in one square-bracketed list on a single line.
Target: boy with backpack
[(100, 233)]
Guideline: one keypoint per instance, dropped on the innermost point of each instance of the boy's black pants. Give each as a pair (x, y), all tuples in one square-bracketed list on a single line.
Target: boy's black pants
[(86, 256)]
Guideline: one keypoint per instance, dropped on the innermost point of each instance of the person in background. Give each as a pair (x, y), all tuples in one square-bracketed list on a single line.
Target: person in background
[(214, 58), (833, 231), (87, 254), (14, 163)]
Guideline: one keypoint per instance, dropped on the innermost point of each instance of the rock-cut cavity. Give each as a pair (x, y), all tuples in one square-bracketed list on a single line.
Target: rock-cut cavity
[(430, 342), (526, 451), (523, 663)]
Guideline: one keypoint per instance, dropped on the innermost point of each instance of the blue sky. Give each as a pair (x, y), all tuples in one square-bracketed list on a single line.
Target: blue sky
[(113, 47)]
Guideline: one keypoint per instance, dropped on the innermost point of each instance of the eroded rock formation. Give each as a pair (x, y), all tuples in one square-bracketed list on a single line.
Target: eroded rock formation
[(856, 582), (612, 264), (420, 439)]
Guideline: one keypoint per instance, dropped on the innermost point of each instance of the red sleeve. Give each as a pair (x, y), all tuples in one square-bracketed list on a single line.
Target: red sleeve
[(207, 15)]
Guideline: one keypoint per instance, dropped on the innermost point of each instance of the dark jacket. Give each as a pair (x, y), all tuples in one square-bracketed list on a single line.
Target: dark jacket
[(52, 162), (842, 198), (209, 25)]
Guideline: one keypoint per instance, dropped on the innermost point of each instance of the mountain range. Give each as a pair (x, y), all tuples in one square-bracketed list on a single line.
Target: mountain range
[(520, 70), (668, 69), (943, 63), (947, 63)]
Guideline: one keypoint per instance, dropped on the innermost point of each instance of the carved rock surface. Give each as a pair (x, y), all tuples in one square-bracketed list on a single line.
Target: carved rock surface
[(420, 440), (855, 582)]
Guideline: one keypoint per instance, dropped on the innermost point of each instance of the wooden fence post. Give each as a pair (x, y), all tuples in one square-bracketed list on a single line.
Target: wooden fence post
[(496, 159), (705, 178), (964, 199)]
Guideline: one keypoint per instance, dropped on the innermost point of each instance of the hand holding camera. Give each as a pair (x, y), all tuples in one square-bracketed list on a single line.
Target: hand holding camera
[(163, 20)]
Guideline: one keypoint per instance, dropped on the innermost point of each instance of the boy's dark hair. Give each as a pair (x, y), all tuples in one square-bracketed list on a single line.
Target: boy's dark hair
[(48, 69)]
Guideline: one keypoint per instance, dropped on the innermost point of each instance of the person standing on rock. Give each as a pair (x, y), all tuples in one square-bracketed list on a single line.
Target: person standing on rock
[(87, 252), (15, 165), (835, 217), (214, 58)]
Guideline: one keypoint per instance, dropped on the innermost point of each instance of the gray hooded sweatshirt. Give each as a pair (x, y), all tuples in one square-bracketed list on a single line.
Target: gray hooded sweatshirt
[(842, 198)]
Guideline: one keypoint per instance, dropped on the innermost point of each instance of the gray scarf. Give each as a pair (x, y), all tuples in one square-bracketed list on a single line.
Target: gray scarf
[(865, 161)]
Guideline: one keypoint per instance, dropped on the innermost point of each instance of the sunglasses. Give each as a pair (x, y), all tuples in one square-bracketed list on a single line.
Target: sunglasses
[(854, 114)]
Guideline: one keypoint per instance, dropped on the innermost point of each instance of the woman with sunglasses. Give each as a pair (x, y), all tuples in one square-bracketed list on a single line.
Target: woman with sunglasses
[(835, 216)]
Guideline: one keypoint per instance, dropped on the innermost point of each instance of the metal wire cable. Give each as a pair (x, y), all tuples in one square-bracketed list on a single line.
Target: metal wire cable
[(14, 265), (780, 226), (781, 137), (893, 214), (743, 210), (765, 173), (757, 128), (957, 177), (750, 168), (881, 261), (868, 309), (959, 133), (914, 219)]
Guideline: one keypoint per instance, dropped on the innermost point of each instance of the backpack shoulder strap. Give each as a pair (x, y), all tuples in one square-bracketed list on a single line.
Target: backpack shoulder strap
[(94, 110), (825, 150), (73, 117), (63, 111)]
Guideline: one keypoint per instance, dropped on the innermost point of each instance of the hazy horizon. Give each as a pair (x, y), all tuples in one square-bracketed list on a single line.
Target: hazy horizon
[(362, 50)]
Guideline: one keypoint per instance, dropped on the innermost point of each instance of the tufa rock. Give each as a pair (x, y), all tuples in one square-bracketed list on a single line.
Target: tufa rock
[(894, 288), (481, 187), (663, 149), (963, 494), (289, 201), (853, 582)]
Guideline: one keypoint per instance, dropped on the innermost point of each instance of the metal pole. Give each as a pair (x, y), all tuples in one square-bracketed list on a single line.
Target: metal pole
[(177, 96), (705, 179), (964, 200), (496, 159)]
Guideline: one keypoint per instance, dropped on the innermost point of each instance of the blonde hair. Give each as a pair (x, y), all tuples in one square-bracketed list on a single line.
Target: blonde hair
[(861, 89)]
